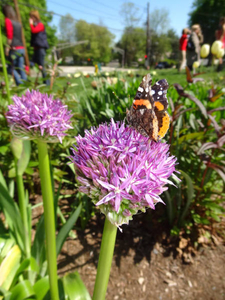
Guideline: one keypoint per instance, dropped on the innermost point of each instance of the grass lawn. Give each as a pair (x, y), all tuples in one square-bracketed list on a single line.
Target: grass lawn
[(82, 84)]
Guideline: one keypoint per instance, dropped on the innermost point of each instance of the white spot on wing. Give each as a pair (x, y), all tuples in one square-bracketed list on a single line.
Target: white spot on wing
[(140, 89), (146, 90), (160, 92), (142, 111), (152, 92)]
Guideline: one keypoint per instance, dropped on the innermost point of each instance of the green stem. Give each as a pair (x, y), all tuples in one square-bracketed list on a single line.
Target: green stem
[(105, 260), (49, 216), (4, 66), (23, 210)]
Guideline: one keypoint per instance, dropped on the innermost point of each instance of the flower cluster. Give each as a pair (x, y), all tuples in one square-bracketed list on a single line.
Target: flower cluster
[(38, 116), (121, 170)]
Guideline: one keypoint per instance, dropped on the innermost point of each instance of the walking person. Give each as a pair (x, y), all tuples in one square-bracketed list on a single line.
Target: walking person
[(183, 47), (14, 50), (194, 45), (220, 36), (38, 42)]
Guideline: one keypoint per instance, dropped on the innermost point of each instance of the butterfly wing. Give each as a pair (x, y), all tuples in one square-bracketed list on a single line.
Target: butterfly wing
[(148, 112)]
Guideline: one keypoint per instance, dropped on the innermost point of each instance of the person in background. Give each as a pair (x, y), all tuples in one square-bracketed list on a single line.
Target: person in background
[(220, 36), (196, 38), (183, 47), (14, 50), (38, 41)]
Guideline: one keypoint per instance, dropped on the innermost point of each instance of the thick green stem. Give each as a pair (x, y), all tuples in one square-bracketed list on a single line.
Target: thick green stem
[(49, 216), (4, 66), (23, 210), (105, 260)]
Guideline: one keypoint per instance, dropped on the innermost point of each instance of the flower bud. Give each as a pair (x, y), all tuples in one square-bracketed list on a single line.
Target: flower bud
[(216, 46), (205, 50), (196, 64)]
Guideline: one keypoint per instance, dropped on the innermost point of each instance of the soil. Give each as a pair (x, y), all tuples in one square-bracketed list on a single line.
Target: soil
[(147, 263)]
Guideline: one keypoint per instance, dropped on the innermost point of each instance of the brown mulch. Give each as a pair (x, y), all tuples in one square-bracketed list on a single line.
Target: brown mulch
[(147, 264)]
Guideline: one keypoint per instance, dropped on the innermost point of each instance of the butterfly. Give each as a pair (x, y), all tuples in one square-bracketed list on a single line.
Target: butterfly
[(148, 112)]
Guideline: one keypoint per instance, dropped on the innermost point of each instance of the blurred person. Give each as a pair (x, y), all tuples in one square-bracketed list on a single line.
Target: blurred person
[(38, 42), (220, 36), (14, 50), (183, 47), (194, 45)]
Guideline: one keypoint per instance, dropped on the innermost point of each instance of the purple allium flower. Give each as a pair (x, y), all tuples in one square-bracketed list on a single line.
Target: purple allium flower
[(38, 116), (121, 170)]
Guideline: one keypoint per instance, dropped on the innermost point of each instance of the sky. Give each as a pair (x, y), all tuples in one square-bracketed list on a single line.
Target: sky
[(107, 13)]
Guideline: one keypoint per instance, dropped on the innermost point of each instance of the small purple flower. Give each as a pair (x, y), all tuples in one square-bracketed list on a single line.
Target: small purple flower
[(121, 170), (38, 116)]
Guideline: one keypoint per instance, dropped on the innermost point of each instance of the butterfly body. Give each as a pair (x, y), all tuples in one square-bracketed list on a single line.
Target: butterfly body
[(148, 112)]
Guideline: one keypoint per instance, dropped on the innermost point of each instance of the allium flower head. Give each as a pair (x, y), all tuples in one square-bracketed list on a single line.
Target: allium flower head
[(38, 116), (121, 170)]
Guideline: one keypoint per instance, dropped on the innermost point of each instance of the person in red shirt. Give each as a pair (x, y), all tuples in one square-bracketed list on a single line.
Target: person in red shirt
[(38, 41), (220, 36), (183, 46), (14, 50)]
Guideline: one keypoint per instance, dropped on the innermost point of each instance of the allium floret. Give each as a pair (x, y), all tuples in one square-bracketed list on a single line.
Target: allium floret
[(121, 170), (37, 116)]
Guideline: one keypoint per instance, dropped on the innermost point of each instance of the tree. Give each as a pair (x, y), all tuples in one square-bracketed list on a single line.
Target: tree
[(160, 46), (129, 12), (159, 21), (174, 42), (207, 13), (133, 41), (99, 42), (66, 27)]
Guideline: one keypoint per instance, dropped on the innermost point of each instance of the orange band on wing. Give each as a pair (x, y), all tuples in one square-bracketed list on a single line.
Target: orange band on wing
[(142, 102), (165, 126), (159, 106)]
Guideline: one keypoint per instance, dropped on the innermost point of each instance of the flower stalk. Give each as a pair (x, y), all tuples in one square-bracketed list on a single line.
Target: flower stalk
[(4, 66), (105, 260), (49, 216), (23, 209)]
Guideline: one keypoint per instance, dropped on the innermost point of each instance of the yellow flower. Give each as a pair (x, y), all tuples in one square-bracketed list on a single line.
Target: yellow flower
[(205, 50), (196, 64), (216, 46), (114, 80), (220, 53), (69, 75), (76, 75)]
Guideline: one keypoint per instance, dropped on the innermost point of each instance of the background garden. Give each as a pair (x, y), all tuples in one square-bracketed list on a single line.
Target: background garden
[(175, 251)]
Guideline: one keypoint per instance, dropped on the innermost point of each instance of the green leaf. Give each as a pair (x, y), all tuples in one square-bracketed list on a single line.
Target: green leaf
[(41, 288), (9, 267), (17, 147), (64, 231), (24, 158), (38, 247), (12, 215), (74, 287), (190, 195), (22, 291)]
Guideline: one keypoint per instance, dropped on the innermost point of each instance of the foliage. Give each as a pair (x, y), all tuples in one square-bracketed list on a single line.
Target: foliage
[(134, 43), (159, 21), (196, 135), (207, 13), (129, 13), (99, 39), (66, 27), (46, 18)]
